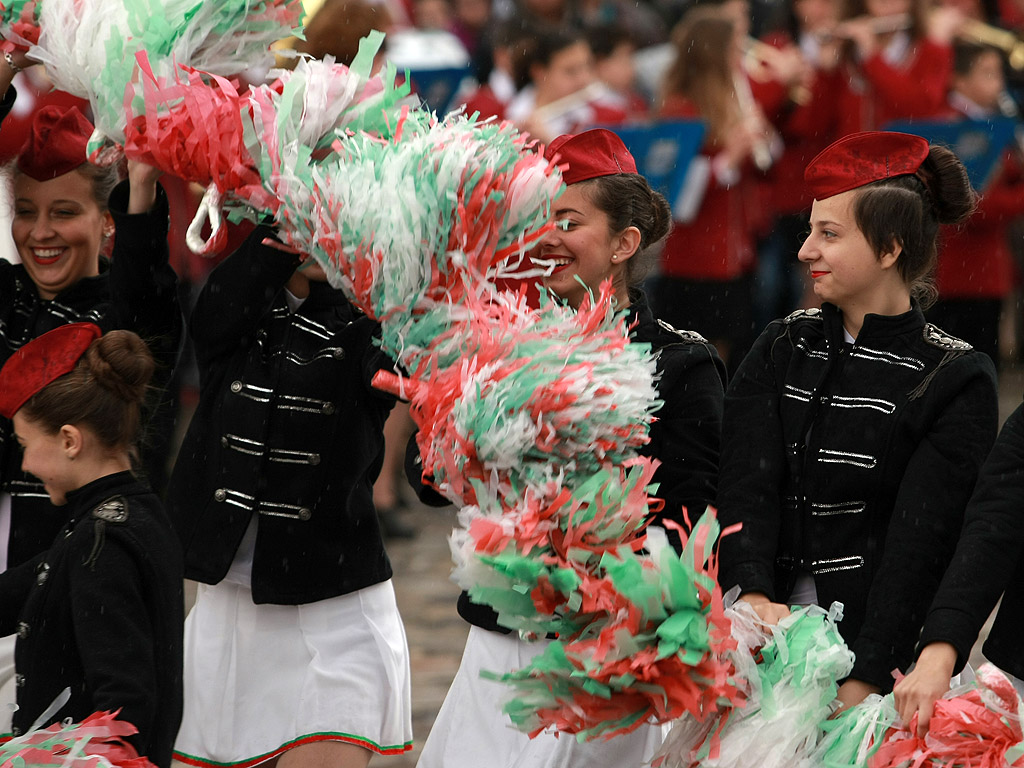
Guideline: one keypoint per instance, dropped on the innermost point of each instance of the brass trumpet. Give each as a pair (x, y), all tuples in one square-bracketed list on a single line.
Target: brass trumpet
[(974, 31), (971, 31)]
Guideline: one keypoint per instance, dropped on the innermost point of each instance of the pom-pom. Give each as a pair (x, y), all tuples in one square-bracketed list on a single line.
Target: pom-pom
[(979, 727), (650, 643), (89, 46), (788, 692), (96, 742), (19, 26)]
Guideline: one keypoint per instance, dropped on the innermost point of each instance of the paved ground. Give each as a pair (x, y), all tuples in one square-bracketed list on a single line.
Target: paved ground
[(436, 634)]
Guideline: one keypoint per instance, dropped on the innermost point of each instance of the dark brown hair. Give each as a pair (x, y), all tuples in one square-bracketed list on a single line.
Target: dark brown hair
[(628, 201), (966, 55), (103, 393), (539, 48), (907, 211)]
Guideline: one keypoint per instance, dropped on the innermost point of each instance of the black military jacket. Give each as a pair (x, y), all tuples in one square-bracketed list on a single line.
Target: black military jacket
[(101, 612), (288, 428), (988, 562), (854, 462), (137, 291)]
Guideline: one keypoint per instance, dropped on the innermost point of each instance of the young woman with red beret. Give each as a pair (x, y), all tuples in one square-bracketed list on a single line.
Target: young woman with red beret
[(609, 217), (99, 612), (853, 434)]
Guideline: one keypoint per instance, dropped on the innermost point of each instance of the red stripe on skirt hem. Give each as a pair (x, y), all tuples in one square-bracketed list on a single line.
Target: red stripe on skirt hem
[(311, 739)]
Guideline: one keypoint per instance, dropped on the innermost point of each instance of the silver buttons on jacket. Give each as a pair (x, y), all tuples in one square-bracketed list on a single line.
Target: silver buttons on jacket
[(220, 494), (43, 574), (22, 629), (236, 387), (305, 514)]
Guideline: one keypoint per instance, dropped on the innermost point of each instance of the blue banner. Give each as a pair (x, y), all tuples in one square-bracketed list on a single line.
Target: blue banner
[(980, 144), (437, 87), (663, 151)]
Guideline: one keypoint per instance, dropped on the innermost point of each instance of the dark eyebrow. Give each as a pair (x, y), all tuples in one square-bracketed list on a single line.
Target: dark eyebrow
[(563, 211)]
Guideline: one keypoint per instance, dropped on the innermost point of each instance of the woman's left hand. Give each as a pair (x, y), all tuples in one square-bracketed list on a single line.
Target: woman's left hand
[(141, 186), (853, 692)]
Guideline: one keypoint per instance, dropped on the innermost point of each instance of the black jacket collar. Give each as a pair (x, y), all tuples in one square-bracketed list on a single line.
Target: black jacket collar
[(92, 494), (875, 326)]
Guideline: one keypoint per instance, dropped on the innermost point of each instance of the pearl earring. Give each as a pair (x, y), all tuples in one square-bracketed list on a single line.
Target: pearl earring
[(614, 257)]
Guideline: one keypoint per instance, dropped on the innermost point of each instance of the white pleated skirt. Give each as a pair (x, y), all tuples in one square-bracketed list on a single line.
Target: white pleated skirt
[(471, 731), (262, 679)]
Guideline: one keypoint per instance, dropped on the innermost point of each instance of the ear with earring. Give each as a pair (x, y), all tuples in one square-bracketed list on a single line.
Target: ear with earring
[(615, 257)]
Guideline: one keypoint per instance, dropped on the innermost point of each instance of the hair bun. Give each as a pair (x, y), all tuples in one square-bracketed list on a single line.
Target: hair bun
[(662, 216), (122, 364), (949, 188)]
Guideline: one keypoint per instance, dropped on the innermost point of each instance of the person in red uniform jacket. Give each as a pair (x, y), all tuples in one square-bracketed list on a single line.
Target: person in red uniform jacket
[(708, 259), (976, 271), (896, 63), (780, 283)]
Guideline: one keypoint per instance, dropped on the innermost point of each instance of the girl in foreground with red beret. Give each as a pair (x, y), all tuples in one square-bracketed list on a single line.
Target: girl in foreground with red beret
[(853, 434), (608, 217), (101, 611)]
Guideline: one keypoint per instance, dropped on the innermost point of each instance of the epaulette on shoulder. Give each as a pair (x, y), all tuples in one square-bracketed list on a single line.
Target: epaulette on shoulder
[(689, 337), (813, 313), (939, 338), (113, 510)]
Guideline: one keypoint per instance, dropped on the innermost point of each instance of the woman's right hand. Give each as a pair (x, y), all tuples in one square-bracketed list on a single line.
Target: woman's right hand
[(767, 611), (141, 186), (927, 682)]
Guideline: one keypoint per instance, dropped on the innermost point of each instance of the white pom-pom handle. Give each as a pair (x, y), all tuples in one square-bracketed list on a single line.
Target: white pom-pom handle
[(209, 209), (102, 150)]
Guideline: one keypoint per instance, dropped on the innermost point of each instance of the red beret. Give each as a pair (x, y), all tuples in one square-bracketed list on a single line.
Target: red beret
[(56, 143), (862, 158), (41, 361), (590, 154)]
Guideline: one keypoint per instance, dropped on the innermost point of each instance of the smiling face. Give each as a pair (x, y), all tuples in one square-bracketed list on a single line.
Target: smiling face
[(58, 228), (845, 269), (582, 246), (44, 456)]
